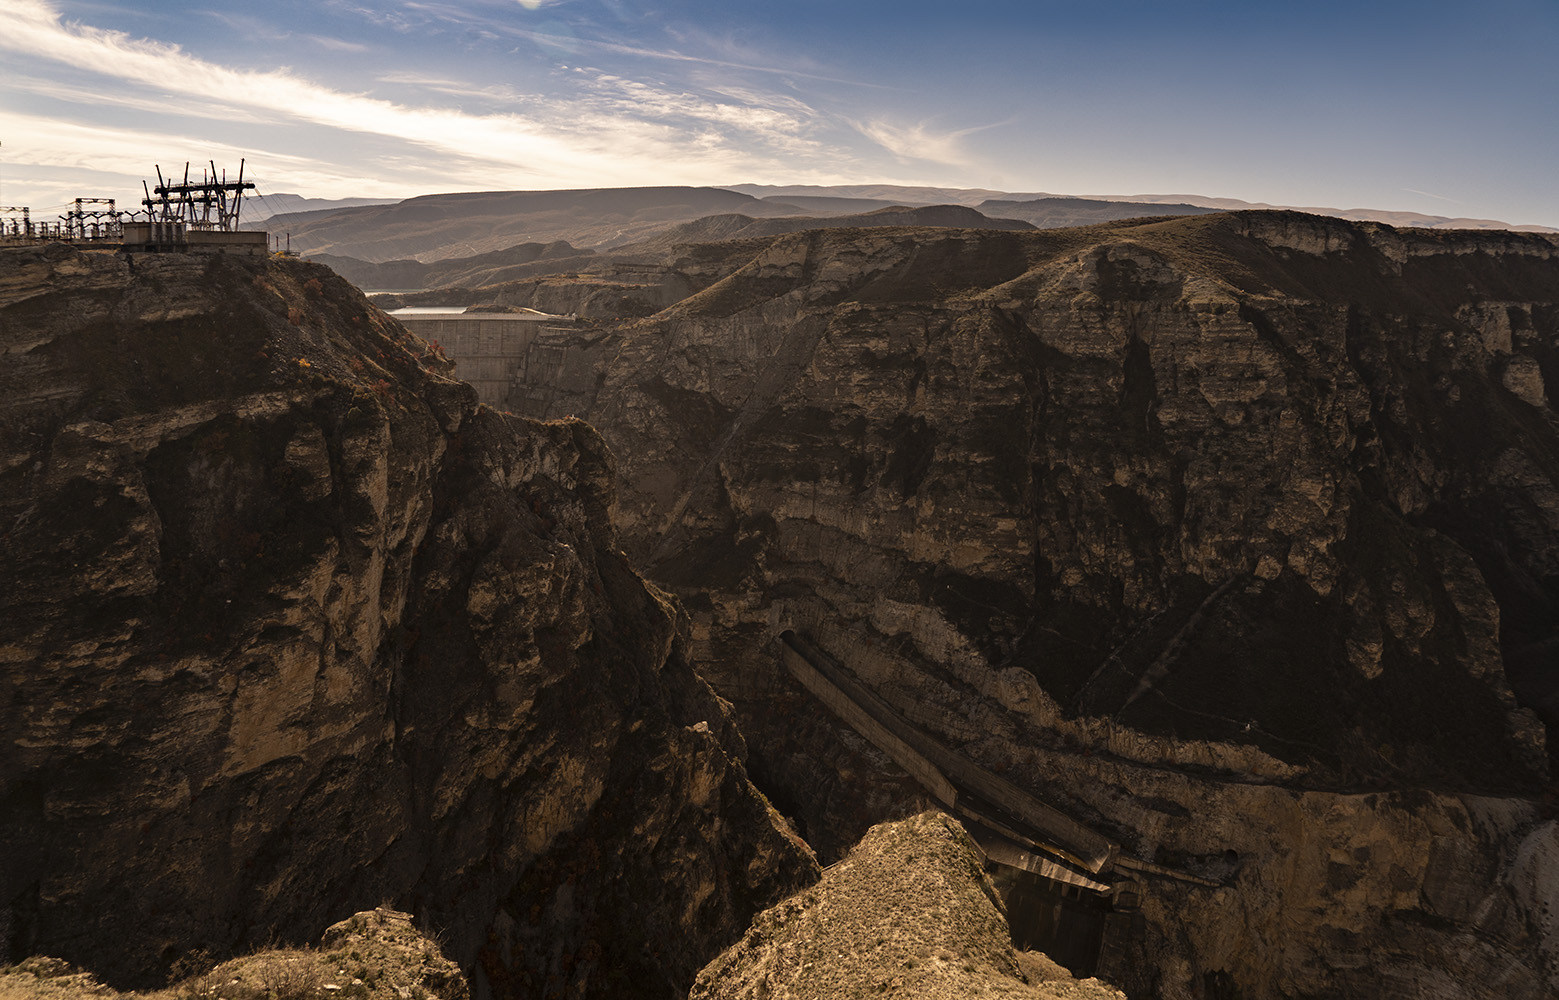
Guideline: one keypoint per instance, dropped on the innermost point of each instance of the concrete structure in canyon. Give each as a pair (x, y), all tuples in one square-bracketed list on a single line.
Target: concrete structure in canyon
[(497, 352)]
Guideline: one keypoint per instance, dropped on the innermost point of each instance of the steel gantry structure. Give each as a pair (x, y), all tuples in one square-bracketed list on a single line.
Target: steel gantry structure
[(212, 202)]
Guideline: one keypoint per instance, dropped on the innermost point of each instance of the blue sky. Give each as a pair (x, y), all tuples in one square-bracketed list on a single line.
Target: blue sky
[(1436, 107)]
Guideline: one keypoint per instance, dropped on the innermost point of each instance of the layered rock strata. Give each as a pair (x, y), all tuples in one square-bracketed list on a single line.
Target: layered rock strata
[(1237, 536), (293, 627)]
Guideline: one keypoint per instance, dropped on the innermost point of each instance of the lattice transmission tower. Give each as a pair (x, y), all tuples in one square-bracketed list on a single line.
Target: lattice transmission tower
[(82, 223)]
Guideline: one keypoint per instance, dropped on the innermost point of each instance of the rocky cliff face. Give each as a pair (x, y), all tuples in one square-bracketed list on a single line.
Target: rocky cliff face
[(1237, 536), (292, 627)]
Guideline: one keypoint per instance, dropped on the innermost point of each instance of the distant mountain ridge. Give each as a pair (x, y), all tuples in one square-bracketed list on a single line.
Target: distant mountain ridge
[(740, 227), (434, 227), (1060, 213), (510, 264), (265, 206), (975, 196), (469, 224)]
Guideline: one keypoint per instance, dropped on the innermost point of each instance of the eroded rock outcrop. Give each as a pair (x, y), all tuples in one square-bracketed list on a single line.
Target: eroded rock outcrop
[(1236, 536), (910, 913), (292, 627), (378, 954)]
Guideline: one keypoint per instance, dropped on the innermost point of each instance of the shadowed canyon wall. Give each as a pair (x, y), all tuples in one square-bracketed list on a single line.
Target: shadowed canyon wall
[(293, 628), (1236, 536)]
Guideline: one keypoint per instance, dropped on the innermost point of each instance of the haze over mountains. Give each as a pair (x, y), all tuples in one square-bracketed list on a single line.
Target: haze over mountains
[(527, 260), (436, 227), (458, 225), (975, 196), (265, 206)]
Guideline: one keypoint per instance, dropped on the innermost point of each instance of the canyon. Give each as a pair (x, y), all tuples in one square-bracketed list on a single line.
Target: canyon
[(1232, 537)]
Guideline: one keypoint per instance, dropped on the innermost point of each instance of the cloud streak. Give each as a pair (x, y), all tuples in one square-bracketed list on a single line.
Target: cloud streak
[(917, 142), (1430, 194), (601, 138), (63, 160), (572, 43), (254, 28), (922, 142)]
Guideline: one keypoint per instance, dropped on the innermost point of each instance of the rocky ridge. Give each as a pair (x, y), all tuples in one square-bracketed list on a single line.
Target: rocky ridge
[(1234, 535), (1056, 213), (909, 913), (294, 627)]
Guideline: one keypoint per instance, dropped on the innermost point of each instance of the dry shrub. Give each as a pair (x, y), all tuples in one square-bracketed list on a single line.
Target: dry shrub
[(289, 976), (206, 986)]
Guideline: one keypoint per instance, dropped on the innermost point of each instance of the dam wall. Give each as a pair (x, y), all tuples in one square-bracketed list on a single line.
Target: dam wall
[(493, 351)]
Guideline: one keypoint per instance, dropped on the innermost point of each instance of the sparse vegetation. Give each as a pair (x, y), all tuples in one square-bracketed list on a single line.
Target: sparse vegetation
[(376, 955)]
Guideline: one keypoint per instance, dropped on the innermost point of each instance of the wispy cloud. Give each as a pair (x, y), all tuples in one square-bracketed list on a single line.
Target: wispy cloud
[(1429, 194), (496, 92), (573, 43), (334, 44), (603, 135), (164, 105), (736, 57), (396, 20), (746, 95), (916, 142), (254, 28), (923, 142), (752, 118), (725, 50), (60, 157)]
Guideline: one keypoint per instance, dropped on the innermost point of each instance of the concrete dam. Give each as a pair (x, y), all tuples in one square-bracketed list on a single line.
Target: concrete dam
[(497, 352)]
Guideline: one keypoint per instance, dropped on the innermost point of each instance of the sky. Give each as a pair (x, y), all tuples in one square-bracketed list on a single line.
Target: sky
[(1446, 108)]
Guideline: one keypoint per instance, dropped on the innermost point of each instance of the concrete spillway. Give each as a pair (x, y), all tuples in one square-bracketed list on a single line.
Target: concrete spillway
[(1069, 890), (949, 777), (1019, 831)]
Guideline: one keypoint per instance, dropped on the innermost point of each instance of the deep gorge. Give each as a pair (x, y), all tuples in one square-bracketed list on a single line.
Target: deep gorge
[(1234, 537)]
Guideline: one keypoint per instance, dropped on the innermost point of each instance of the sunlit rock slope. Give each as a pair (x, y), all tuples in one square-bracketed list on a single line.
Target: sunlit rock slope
[(910, 913)]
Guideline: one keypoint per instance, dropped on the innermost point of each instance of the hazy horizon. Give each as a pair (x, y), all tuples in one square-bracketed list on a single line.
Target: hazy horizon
[(1433, 108)]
